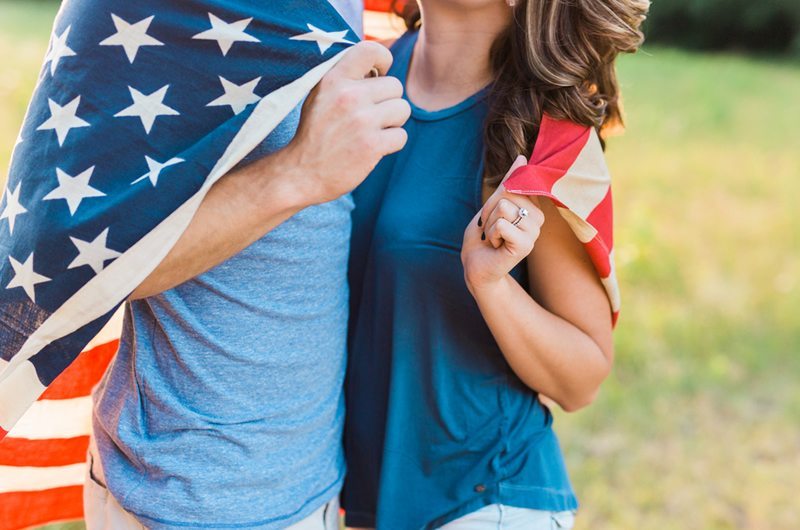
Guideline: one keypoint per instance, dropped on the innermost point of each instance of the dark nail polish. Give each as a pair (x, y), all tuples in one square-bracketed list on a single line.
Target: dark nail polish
[(480, 222), (483, 236)]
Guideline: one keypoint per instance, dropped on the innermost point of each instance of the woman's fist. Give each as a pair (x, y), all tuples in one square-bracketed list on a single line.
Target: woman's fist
[(501, 235)]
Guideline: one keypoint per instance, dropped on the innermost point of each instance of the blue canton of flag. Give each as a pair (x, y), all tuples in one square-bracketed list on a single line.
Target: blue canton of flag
[(140, 108)]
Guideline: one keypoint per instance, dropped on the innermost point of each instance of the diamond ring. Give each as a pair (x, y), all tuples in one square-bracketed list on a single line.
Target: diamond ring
[(522, 213)]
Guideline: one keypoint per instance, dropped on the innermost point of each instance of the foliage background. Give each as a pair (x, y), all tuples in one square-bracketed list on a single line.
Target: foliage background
[(762, 25), (698, 427)]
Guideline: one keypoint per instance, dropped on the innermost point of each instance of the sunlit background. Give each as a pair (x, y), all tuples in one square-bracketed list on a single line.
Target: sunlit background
[(699, 425)]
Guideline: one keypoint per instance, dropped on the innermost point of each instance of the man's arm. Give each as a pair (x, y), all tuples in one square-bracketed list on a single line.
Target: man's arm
[(347, 125)]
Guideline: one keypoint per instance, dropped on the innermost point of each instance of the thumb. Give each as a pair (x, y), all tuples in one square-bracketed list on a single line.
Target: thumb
[(473, 229), (518, 163), (492, 200)]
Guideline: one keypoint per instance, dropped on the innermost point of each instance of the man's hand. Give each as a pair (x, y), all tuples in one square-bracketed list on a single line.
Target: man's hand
[(348, 123)]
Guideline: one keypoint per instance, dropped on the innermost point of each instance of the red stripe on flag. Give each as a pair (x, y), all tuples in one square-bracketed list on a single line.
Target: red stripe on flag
[(561, 142), (602, 219), (558, 145), (83, 374), (24, 509), (599, 254), (43, 453), (380, 5)]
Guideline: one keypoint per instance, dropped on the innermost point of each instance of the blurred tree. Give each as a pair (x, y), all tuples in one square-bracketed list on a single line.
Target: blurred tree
[(765, 25)]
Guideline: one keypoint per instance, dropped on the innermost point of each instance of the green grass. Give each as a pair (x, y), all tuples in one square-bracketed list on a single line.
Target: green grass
[(698, 426)]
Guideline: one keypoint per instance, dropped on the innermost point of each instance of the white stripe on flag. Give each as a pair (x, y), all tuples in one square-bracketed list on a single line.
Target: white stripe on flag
[(19, 387), (586, 183), (55, 418), (611, 285), (583, 230), (14, 478)]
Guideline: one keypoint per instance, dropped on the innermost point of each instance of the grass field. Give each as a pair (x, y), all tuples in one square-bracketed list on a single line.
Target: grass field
[(699, 425)]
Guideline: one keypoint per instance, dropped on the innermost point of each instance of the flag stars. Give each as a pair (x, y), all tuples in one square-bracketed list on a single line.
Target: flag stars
[(237, 96), (13, 207), (155, 168), (63, 119), (58, 50), (93, 253), (324, 39), (73, 189), (25, 277), (148, 107), (226, 33), (131, 36)]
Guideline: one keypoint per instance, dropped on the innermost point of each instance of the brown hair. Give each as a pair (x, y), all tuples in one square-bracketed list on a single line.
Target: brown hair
[(556, 56)]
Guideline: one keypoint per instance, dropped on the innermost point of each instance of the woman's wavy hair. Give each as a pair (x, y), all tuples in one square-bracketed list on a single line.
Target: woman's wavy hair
[(557, 56)]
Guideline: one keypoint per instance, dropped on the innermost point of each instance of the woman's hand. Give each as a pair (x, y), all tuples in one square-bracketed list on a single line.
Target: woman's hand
[(493, 244)]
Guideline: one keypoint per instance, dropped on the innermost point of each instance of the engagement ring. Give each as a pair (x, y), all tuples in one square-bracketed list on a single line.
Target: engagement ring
[(522, 213)]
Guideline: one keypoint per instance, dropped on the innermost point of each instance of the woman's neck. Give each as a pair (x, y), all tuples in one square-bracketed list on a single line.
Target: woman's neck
[(451, 57)]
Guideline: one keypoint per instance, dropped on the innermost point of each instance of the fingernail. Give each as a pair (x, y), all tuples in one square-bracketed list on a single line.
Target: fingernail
[(483, 236), (480, 222)]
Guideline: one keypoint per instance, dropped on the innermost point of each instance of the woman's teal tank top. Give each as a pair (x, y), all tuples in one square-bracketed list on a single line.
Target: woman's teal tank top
[(437, 423)]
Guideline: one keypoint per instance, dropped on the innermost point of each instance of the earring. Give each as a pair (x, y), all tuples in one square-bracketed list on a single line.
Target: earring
[(511, 3)]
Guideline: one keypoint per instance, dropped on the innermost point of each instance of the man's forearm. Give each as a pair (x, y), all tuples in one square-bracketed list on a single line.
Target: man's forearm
[(239, 209)]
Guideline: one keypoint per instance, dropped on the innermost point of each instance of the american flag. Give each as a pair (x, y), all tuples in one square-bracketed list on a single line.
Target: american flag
[(140, 107), (568, 166)]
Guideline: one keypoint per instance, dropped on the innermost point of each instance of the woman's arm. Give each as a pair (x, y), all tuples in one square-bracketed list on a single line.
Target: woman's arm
[(558, 338)]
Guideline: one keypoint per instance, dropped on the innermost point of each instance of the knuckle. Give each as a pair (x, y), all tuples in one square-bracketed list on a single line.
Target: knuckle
[(507, 207), (394, 143), (368, 143), (382, 51), (346, 97), (361, 120), (405, 109), (330, 82), (402, 137), (394, 87), (399, 114), (376, 50), (370, 46), (363, 48)]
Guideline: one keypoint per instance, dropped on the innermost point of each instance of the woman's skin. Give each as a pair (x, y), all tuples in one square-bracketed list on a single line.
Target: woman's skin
[(557, 338)]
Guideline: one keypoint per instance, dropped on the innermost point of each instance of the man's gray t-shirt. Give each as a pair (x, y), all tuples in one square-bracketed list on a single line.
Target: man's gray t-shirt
[(224, 405)]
